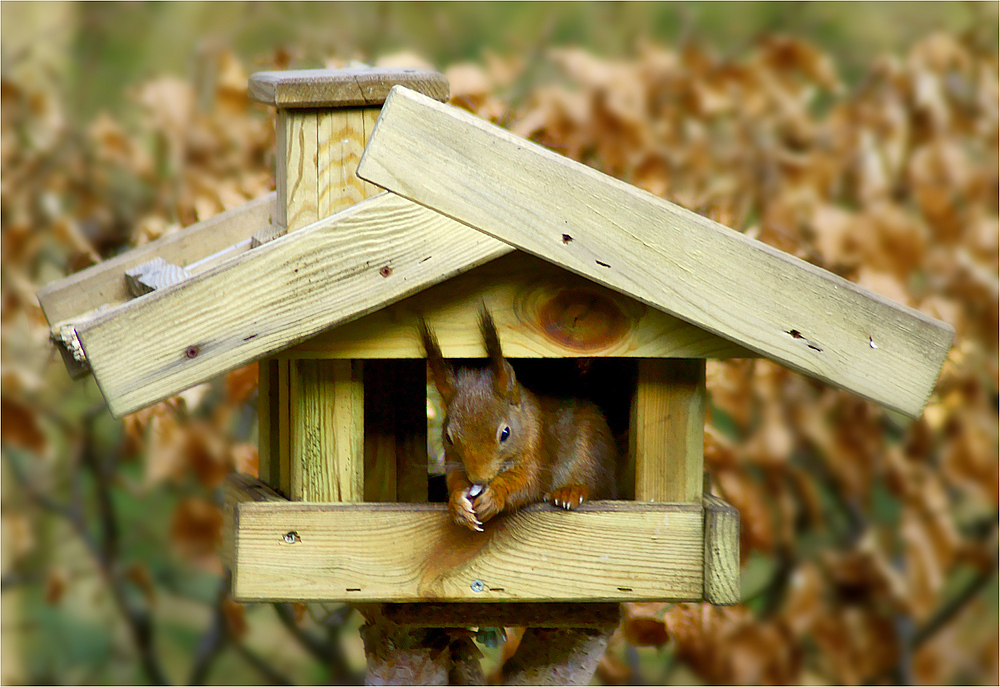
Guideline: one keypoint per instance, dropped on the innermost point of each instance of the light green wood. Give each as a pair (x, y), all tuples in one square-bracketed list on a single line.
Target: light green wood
[(604, 551), (540, 310), (340, 88), (663, 255), (667, 430), (327, 430), (722, 552), (340, 268)]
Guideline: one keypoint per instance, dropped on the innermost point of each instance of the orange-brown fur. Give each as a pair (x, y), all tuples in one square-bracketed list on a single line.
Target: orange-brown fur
[(556, 450)]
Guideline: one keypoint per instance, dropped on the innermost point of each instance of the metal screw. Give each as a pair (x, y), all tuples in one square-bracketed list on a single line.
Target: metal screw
[(478, 586), (292, 537)]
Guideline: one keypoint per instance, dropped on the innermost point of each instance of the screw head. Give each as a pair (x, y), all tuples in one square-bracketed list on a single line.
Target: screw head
[(291, 537), (478, 586)]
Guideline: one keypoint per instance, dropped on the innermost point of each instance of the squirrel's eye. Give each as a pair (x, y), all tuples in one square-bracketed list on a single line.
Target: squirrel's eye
[(504, 433), (447, 436)]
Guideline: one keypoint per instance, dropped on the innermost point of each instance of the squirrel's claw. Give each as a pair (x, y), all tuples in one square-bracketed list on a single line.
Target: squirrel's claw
[(461, 511), (569, 497)]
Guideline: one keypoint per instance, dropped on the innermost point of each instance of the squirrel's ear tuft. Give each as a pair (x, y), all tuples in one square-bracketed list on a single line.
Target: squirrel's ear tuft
[(504, 382), (441, 372)]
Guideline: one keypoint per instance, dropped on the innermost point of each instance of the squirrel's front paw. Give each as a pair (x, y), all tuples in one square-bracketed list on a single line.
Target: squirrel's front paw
[(460, 507), (569, 497), (488, 503)]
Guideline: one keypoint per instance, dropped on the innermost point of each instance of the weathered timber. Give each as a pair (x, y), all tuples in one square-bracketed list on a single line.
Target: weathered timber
[(541, 311), (326, 430), (722, 551), (660, 253), (274, 296), (339, 88), (104, 284), (605, 551), (153, 275), (667, 431)]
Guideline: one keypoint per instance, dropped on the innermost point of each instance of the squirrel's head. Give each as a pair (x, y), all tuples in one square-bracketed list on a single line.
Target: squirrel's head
[(484, 424)]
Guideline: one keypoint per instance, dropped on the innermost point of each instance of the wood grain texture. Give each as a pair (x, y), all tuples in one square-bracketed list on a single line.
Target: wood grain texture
[(279, 294), (663, 255), (342, 137), (605, 551), (541, 311), (667, 431), (327, 430), (153, 275), (335, 88), (722, 551), (104, 284), (297, 133)]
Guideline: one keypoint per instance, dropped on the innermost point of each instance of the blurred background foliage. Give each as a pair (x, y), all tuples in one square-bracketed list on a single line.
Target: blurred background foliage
[(862, 137)]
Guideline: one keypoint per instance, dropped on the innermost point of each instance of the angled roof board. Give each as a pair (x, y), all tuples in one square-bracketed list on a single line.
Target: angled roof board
[(655, 251), (271, 297)]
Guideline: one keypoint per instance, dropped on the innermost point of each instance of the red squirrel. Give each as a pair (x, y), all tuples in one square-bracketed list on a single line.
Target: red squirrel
[(506, 447)]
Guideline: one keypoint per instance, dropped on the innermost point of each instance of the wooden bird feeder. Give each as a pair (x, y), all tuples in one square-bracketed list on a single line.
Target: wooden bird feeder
[(324, 281)]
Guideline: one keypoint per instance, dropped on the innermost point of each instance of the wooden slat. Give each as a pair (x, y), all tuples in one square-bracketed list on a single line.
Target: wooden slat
[(605, 551), (663, 255), (541, 311), (667, 432), (327, 430), (722, 551), (279, 294), (355, 87), (104, 283), (267, 393)]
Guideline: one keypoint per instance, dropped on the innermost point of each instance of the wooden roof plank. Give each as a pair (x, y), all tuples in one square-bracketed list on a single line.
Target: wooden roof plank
[(104, 283), (655, 251), (337, 269)]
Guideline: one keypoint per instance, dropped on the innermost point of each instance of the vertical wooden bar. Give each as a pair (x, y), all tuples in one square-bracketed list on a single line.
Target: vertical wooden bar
[(281, 420), (297, 159), (722, 552), (267, 435), (327, 430), (342, 141), (667, 431)]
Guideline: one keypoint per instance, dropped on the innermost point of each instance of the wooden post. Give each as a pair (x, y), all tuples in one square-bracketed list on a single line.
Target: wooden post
[(311, 413), (667, 432)]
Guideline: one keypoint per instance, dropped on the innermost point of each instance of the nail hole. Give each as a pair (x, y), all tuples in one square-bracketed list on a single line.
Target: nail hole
[(385, 271), (191, 352), (567, 238)]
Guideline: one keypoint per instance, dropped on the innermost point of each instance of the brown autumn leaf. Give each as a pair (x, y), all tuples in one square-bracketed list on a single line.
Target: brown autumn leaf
[(196, 528), (241, 383), (642, 624), (236, 621), (19, 426), (246, 459), (55, 586)]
